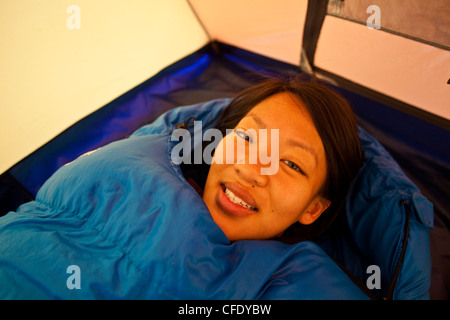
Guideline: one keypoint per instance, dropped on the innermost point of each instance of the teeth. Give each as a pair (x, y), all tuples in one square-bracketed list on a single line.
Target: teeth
[(235, 199)]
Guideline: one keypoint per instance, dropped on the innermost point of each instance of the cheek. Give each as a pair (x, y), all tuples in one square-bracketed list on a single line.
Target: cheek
[(211, 179), (289, 200), (216, 173)]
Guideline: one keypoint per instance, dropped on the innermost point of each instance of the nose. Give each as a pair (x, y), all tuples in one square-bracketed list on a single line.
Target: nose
[(251, 173), (251, 162)]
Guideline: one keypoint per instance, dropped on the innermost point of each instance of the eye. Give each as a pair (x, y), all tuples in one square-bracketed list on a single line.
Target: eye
[(242, 134), (294, 166)]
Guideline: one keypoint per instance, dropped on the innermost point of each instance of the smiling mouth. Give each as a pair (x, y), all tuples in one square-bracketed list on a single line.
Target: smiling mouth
[(236, 200)]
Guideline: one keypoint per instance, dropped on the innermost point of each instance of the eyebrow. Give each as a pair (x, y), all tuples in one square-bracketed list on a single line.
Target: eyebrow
[(258, 120), (291, 142), (305, 147)]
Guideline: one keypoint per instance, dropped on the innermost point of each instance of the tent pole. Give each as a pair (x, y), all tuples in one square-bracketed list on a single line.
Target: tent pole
[(315, 15)]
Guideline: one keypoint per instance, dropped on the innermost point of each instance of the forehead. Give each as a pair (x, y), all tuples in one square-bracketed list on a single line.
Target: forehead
[(281, 111)]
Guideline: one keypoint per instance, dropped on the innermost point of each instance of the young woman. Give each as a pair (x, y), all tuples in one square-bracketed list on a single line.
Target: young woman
[(319, 155)]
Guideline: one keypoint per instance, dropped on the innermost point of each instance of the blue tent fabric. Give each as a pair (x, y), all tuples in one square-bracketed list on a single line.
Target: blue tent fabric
[(125, 215)]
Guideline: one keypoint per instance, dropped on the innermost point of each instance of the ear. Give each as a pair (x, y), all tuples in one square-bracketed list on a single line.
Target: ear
[(314, 210)]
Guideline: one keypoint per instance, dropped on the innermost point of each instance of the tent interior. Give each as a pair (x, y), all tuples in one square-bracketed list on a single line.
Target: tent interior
[(77, 77)]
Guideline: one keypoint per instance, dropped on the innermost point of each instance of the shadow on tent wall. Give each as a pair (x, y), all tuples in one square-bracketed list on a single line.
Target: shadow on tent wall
[(217, 71)]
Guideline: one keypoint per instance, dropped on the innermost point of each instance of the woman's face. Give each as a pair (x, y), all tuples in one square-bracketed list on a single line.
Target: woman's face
[(246, 204)]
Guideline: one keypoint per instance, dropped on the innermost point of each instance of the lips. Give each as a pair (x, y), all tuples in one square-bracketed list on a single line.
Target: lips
[(236, 200)]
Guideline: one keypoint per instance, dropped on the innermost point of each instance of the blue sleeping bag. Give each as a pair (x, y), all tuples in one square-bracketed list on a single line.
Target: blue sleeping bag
[(123, 223)]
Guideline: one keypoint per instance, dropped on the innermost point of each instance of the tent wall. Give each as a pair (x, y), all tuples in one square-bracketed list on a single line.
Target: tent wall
[(401, 68), (54, 74), (271, 28)]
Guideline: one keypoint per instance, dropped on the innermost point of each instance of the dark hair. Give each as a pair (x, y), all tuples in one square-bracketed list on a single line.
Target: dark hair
[(336, 124)]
